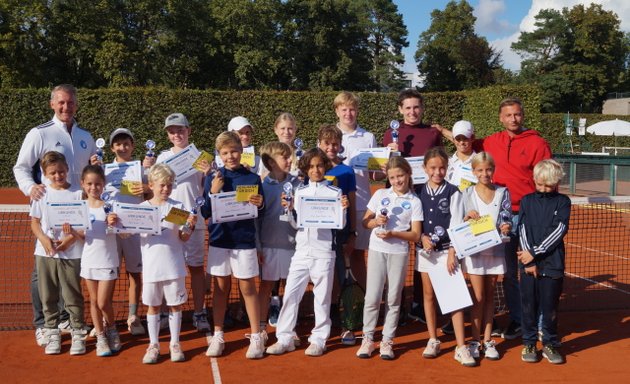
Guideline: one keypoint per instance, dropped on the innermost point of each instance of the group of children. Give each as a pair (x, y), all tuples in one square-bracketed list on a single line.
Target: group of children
[(275, 248)]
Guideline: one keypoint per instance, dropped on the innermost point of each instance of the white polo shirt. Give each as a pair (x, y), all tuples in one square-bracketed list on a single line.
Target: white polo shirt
[(100, 249)]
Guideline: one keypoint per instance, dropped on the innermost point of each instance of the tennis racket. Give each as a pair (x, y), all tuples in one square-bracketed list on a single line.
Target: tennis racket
[(351, 303)]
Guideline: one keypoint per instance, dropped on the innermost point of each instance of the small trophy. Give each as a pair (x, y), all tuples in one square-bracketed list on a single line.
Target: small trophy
[(435, 238), (298, 143), (394, 125), (150, 146), (340, 153), (107, 207), (199, 201), (100, 143), (56, 240), (288, 196), (383, 212), (506, 218)]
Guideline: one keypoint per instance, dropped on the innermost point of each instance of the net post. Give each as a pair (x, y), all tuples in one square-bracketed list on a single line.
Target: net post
[(613, 179)]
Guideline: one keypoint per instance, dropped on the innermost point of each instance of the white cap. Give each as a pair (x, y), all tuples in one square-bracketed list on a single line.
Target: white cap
[(463, 127), (176, 119), (237, 123), (120, 131)]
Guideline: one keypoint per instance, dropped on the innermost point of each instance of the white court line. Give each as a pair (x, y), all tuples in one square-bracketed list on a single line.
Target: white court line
[(595, 250), (216, 375), (597, 283)]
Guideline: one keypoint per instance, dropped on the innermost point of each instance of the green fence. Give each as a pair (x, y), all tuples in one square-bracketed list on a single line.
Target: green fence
[(595, 175)]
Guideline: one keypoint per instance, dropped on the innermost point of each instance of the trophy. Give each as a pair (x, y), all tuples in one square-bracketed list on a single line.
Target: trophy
[(288, 196), (394, 125), (199, 201), (100, 143), (383, 212), (56, 240), (107, 207), (150, 146), (436, 236), (506, 218), (298, 143), (340, 153)]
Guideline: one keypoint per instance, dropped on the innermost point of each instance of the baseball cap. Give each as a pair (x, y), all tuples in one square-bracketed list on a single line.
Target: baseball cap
[(120, 131), (463, 127), (237, 123), (176, 119)]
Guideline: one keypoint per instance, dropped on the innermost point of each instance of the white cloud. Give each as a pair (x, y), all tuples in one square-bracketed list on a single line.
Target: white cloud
[(488, 21), (512, 61)]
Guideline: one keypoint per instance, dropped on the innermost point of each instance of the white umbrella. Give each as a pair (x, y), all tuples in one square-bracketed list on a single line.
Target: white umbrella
[(610, 128)]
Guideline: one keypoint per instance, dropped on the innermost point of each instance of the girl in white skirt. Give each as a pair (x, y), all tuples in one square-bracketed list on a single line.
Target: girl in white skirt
[(482, 199)]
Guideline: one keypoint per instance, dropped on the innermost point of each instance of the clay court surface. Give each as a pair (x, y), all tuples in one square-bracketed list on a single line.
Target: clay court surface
[(596, 342)]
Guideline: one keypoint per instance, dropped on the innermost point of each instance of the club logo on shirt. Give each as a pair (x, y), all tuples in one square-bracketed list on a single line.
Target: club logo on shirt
[(443, 205), (92, 218), (406, 205), (385, 202), (83, 144), (58, 144)]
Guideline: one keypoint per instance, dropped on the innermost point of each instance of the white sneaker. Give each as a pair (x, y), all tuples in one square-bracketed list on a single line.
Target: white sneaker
[(386, 350), (152, 354), (474, 347), (296, 341), (135, 327), (315, 350), (53, 338), (366, 349), (490, 350), (78, 342), (256, 347), (200, 321), (432, 349), (216, 344), (40, 337), (65, 327), (264, 336), (462, 354), (279, 349), (102, 346), (113, 338), (176, 353)]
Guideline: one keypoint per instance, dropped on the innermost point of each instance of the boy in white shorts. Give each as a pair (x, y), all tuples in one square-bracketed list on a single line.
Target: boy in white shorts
[(233, 245), (163, 266)]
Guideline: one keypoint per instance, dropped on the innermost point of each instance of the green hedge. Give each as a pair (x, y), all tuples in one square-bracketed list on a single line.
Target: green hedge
[(143, 111)]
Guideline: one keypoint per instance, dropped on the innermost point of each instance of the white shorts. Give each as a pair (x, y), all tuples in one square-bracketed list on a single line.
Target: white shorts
[(423, 264), (276, 262), (194, 248), (99, 274), (242, 263), (173, 291), (129, 249), (363, 239)]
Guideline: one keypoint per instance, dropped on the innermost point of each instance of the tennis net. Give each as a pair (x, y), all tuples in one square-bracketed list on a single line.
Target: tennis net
[(597, 263)]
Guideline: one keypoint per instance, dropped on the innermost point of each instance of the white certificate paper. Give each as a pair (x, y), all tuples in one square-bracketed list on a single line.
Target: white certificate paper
[(134, 218), (225, 208), (182, 163), (115, 173), (418, 175), (320, 212), (74, 213), (362, 158), (467, 244), (450, 290)]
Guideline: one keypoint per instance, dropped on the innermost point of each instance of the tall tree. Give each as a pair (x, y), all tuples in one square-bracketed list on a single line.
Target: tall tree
[(450, 55)]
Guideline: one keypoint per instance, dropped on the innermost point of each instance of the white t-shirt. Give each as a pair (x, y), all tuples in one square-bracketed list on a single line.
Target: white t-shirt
[(402, 211), (38, 210), (100, 249), (352, 142), (458, 169), (163, 254), (187, 190)]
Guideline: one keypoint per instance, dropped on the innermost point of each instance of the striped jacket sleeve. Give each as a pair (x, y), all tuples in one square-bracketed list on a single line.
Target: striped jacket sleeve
[(555, 234)]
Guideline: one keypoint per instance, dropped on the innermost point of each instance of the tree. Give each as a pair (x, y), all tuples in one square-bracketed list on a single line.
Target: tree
[(450, 56)]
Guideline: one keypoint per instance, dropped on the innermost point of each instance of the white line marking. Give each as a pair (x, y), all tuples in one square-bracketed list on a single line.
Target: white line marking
[(597, 283), (216, 375), (595, 250)]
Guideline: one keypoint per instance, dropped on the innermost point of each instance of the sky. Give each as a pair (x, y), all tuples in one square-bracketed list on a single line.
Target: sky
[(499, 21)]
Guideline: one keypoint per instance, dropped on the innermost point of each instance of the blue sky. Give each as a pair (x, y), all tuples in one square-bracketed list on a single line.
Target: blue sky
[(499, 21)]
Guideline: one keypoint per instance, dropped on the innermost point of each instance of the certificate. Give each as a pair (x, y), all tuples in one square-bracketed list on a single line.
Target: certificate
[(320, 212), (463, 177), (134, 218), (183, 162), (418, 175), (450, 290), (225, 208), (121, 175), (370, 159), (468, 238), (74, 213)]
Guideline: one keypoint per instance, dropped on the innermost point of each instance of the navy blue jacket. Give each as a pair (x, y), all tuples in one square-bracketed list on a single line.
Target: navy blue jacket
[(235, 234), (543, 223)]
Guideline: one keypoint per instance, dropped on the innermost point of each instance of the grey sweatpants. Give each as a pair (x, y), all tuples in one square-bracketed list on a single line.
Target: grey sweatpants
[(54, 274)]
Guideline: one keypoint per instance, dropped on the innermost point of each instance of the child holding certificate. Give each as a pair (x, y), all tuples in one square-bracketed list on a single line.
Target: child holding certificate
[(99, 262), (482, 199), (233, 244), (394, 215), (314, 260), (58, 259), (442, 207), (163, 266)]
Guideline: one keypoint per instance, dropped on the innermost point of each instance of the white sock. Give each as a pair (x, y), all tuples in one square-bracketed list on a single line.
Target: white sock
[(218, 334), (153, 325), (174, 325)]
